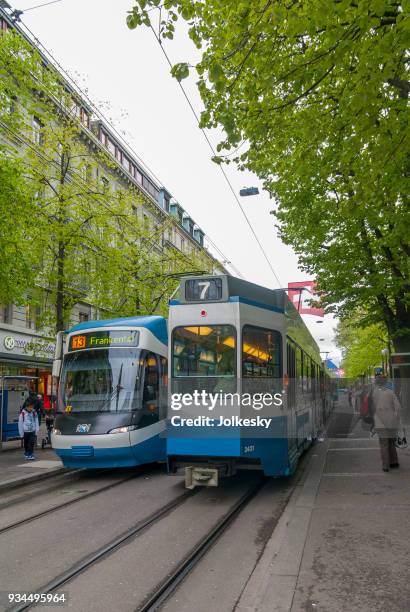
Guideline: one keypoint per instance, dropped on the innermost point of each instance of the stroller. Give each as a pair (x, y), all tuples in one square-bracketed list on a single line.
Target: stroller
[(49, 419)]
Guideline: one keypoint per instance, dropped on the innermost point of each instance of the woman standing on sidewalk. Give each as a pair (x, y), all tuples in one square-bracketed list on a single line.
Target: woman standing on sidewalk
[(386, 411)]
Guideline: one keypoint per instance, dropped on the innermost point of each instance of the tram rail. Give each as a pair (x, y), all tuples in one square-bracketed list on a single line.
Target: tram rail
[(65, 504), (165, 589), (107, 549)]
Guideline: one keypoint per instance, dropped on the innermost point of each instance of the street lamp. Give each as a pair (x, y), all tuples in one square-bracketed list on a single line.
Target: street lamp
[(385, 353), (249, 191)]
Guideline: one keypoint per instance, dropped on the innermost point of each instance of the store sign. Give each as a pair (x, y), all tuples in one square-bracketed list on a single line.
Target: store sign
[(26, 345), (103, 339), (9, 343)]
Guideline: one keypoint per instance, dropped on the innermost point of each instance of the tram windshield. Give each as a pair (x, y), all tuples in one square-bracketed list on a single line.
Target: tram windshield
[(103, 380), (204, 350)]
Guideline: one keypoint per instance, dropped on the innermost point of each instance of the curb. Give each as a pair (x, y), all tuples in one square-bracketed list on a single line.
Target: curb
[(29, 478)]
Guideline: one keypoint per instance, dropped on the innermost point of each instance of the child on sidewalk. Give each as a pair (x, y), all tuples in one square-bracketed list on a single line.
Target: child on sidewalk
[(28, 429)]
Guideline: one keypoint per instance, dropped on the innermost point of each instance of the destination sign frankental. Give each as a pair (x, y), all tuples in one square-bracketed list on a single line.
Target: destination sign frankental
[(103, 339)]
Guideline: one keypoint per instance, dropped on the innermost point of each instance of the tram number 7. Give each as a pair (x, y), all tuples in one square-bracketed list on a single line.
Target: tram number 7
[(204, 291)]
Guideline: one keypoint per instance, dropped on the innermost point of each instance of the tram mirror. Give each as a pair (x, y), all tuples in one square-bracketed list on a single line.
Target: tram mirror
[(56, 368)]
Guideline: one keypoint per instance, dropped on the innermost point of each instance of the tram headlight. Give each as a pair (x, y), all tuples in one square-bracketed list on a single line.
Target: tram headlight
[(56, 432), (122, 429)]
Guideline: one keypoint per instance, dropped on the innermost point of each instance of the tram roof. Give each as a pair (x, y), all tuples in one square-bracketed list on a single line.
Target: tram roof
[(233, 288), (155, 324)]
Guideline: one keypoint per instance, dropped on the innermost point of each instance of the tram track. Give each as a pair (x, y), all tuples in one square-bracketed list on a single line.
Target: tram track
[(65, 504), (170, 583), (56, 481), (165, 589), (107, 549)]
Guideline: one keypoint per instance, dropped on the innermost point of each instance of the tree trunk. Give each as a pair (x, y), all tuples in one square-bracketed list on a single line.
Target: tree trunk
[(60, 323), (401, 376)]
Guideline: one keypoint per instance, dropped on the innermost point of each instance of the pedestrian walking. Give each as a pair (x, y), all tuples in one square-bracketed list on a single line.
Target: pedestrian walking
[(28, 429), (386, 414)]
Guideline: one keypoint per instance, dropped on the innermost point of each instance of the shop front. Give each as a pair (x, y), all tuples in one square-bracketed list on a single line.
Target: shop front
[(30, 356)]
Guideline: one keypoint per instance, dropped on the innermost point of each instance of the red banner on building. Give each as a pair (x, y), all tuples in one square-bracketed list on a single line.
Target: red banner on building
[(304, 297)]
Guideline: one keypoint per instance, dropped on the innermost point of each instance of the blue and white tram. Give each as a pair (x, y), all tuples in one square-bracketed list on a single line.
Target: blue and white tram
[(111, 405), (241, 340)]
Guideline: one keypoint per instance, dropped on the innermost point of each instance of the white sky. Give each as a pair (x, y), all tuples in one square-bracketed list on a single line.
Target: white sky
[(127, 75)]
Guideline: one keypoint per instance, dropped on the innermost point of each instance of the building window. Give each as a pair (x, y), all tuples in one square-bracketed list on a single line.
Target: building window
[(75, 110), (103, 138), (36, 130), (118, 154), (30, 316), (105, 183), (138, 176), (110, 146), (6, 314), (85, 118), (126, 163), (83, 317)]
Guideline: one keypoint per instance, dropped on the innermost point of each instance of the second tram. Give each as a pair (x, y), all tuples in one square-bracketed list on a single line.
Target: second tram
[(111, 403)]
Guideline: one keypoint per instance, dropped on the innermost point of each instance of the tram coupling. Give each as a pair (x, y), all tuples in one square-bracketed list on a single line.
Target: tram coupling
[(201, 476)]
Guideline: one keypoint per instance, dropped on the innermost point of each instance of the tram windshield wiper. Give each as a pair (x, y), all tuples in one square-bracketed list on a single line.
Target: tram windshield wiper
[(115, 393), (118, 388)]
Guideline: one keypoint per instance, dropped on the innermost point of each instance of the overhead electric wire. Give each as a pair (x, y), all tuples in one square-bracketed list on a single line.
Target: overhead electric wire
[(113, 128), (220, 166), (31, 8)]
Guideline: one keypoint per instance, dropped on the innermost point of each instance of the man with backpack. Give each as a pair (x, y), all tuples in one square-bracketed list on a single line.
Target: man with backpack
[(28, 429)]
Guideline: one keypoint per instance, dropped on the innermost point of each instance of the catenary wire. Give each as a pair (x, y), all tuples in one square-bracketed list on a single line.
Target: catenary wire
[(31, 8), (220, 166)]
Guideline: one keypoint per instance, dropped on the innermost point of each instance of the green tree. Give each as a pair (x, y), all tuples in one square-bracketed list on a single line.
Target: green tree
[(71, 232), (16, 269), (312, 96), (362, 346)]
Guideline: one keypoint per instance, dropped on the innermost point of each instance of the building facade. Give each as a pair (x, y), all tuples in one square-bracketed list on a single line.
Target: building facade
[(24, 348)]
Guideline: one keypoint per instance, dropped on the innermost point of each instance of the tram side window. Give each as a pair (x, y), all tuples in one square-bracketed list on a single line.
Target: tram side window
[(306, 373), (150, 393), (261, 352)]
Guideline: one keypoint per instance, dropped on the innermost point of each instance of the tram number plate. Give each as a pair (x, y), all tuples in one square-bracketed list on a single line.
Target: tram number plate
[(249, 448), (203, 289)]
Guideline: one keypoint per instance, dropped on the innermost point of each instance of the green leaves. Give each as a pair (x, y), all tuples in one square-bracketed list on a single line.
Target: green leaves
[(66, 233), (319, 91), (180, 71)]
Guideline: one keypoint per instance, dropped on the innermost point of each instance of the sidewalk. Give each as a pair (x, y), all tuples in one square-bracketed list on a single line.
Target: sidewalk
[(15, 470), (343, 542)]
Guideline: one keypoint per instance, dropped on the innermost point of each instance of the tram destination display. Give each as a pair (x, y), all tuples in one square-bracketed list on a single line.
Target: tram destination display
[(103, 339), (203, 289)]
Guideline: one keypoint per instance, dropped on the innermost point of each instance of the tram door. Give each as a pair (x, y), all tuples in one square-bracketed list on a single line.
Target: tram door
[(150, 393), (291, 390)]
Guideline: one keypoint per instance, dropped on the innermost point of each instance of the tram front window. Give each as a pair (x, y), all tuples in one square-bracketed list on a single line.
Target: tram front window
[(204, 357), (103, 380)]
